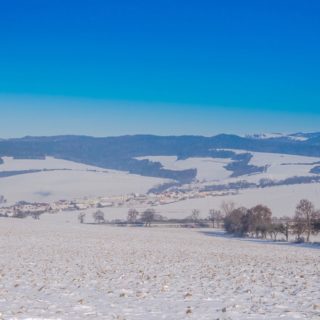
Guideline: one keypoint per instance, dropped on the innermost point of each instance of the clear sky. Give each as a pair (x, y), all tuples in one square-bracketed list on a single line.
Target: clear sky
[(166, 67)]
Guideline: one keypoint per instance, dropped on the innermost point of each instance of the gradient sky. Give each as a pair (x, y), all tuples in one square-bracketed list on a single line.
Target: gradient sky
[(165, 67)]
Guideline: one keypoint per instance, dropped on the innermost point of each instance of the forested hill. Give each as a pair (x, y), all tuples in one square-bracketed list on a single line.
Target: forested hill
[(121, 152)]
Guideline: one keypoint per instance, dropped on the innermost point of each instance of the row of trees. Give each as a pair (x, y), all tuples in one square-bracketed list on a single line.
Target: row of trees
[(146, 217), (133, 217), (255, 222), (258, 221)]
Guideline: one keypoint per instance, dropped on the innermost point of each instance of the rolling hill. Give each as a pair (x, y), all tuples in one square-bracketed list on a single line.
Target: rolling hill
[(66, 167)]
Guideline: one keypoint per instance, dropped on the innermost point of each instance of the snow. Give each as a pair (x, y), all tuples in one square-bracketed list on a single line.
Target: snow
[(49, 186), (271, 135), (79, 183), (11, 164), (282, 166), (282, 200), (209, 169), (57, 270), (295, 137), (298, 138), (263, 158), (277, 166)]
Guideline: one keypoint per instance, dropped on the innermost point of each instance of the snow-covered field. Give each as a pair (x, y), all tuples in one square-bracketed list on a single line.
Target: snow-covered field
[(278, 166), (77, 182), (282, 201), (57, 270), (209, 169), (11, 164), (281, 166), (87, 181)]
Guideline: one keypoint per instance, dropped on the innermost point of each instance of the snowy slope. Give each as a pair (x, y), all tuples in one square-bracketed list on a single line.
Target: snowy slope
[(78, 181), (79, 271)]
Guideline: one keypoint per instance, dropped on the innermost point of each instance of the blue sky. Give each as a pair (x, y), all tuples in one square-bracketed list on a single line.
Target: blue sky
[(165, 67)]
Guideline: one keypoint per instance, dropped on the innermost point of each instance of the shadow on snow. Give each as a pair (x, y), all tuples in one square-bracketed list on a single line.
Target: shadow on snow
[(223, 234)]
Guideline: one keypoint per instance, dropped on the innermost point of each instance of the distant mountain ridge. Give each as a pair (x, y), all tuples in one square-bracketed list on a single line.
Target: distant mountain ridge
[(298, 136), (120, 153)]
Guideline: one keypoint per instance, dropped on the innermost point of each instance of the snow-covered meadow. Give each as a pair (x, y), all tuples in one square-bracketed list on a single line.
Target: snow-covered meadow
[(208, 169), (277, 166), (56, 268), (80, 181), (67, 181), (50, 269)]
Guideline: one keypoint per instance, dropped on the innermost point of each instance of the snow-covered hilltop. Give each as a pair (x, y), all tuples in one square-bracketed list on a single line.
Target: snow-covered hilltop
[(296, 137)]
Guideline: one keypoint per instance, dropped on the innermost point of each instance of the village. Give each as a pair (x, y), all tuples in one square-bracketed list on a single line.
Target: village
[(22, 209)]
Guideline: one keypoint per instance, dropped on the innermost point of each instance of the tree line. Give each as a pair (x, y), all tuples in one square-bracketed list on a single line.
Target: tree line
[(134, 217), (255, 222), (258, 221)]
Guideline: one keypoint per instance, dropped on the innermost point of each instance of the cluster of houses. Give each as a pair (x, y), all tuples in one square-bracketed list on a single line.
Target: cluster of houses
[(23, 208)]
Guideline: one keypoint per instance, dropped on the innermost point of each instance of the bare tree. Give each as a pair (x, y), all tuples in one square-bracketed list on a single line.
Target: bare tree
[(195, 216), (274, 229), (255, 221), (303, 219), (132, 215), (285, 226), (227, 207), (316, 222), (214, 216), (81, 217), (98, 216), (147, 217), (261, 220), (233, 222)]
